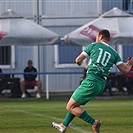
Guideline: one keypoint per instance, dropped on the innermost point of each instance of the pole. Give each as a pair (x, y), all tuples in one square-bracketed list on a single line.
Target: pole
[(37, 15), (38, 22), (47, 87)]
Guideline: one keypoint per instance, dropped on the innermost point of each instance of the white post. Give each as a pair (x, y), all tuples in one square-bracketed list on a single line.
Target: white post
[(47, 87)]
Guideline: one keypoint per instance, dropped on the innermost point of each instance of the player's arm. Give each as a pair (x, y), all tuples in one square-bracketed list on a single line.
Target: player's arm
[(80, 59), (125, 68)]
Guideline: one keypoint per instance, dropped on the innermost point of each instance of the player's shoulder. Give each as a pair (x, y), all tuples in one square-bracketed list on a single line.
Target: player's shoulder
[(112, 49), (95, 43), (109, 47), (92, 44), (98, 45)]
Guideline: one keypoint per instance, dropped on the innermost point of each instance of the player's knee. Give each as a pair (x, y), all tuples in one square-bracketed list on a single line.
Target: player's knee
[(67, 108)]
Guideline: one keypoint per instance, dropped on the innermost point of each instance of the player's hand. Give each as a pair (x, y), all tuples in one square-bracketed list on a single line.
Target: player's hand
[(130, 60)]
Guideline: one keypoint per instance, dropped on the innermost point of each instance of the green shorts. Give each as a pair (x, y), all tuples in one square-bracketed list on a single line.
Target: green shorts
[(88, 90)]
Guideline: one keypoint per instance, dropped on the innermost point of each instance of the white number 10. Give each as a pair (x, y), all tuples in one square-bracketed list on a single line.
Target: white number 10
[(106, 57)]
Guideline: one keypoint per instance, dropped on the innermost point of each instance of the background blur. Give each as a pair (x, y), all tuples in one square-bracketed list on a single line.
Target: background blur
[(61, 17)]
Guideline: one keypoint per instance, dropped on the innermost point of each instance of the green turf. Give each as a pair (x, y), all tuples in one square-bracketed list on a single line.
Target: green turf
[(35, 116)]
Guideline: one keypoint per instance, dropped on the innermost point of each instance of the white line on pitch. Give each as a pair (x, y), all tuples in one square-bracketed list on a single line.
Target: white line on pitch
[(72, 126)]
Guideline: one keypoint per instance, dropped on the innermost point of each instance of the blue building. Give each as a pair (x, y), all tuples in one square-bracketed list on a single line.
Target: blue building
[(61, 17)]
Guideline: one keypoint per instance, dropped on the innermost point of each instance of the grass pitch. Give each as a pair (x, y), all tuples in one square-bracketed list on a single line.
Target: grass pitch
[(36, 116)]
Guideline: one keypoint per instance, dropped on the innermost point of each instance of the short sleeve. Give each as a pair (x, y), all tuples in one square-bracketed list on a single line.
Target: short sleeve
[(88, 49)]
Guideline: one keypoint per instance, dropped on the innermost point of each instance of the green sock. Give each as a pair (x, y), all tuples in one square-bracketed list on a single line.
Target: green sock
[(87, 118), (69, 117)]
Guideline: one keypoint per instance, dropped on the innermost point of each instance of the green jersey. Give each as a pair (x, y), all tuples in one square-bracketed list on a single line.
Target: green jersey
[(102, 59)]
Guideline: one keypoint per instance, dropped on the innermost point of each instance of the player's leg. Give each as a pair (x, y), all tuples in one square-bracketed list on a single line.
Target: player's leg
[(69, 117), (84, 93), (74, 108)]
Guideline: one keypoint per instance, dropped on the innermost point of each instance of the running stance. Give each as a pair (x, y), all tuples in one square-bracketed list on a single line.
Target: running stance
[(102, 58)]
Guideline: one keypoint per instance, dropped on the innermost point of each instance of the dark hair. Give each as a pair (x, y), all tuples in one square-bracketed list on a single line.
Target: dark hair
[(105, 34), (29, 62)]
